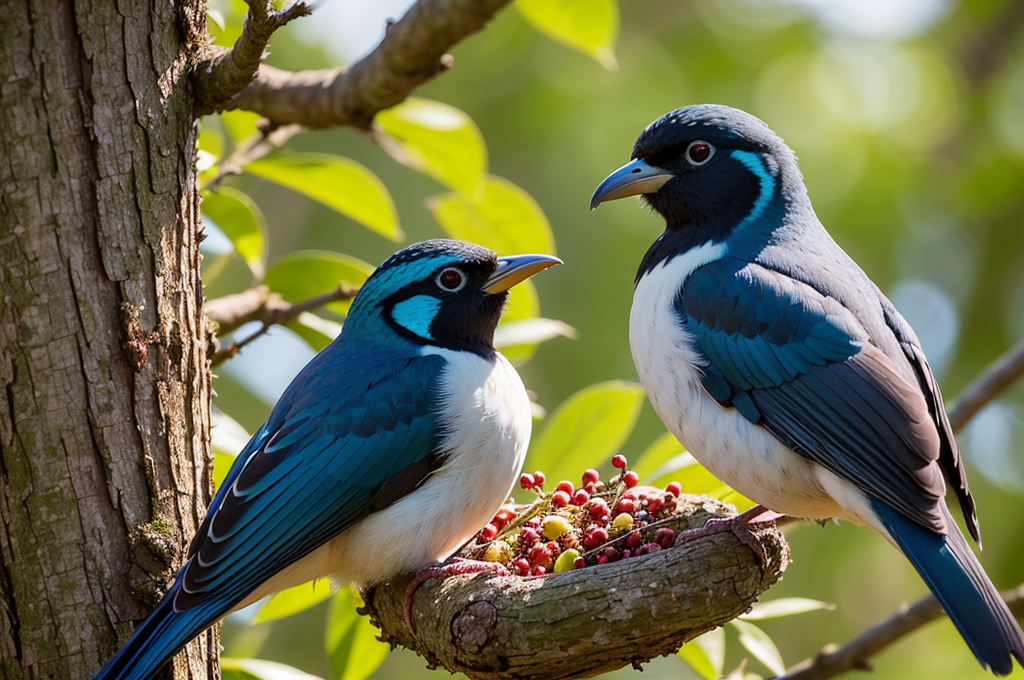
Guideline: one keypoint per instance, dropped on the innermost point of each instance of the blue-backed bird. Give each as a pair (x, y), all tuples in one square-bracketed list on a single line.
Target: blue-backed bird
[(387, 452), (783, 369)]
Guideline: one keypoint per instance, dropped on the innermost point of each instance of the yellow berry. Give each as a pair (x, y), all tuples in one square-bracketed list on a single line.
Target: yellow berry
[(498, 551), (554, 526), (623, 521), (566, 559)]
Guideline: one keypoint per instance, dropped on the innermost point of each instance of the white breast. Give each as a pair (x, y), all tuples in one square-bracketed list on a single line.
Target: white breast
[(487, 413), (743, 455)]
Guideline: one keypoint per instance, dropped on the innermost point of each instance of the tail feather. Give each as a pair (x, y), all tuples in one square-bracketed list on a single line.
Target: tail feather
[(156, 640), (954, 575)]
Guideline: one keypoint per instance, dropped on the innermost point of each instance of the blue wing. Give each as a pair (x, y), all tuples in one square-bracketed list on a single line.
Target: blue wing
[(799, 364), (348, 437)]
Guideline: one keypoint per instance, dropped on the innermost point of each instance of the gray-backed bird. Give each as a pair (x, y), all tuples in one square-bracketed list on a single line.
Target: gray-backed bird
[(783, 369), (387, 452)]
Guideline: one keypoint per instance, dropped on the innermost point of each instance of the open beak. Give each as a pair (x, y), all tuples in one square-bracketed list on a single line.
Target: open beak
[(632, 179), (515, 269)]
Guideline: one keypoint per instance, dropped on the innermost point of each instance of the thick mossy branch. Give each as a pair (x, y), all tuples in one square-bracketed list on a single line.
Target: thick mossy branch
[(586, 621)]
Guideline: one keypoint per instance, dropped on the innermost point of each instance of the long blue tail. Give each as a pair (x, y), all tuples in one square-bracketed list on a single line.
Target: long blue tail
[(954, 575), (157, 639)]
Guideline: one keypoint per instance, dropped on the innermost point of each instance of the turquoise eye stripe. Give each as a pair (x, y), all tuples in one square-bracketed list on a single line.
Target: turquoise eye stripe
[(416, 314), (755, 164)]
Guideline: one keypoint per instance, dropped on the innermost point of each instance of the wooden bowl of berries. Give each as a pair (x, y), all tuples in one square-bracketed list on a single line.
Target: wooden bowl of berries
[(584, 580)]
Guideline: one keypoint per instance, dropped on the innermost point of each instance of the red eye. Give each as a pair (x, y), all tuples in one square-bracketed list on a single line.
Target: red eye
[(699, 152), (451, 279)]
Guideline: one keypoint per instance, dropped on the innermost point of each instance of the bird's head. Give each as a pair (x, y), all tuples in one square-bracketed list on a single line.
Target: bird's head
[(708, 168), (441, 292)]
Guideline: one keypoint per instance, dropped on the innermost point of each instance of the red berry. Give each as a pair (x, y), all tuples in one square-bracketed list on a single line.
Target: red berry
[(598, 508), (634, 539), (652, 547), (488, 532), (601, 534), (674, 488), (653, 505), (665, 537), (538, 554), (627, 505), (581, 497), (602, 559), (560, 499), (554, 548), (528, 536), (630, 478), (589, 487), (619, 461), (505, 515), (591, 476), (538, 478), (522, 565), (598, 486), (566, 486), (579, 563), (527, 481), (538, 571)]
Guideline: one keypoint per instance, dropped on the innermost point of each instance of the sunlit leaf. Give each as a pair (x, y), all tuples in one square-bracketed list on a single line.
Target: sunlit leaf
[(518, 340), (665, 448), (241, 221), (590, 26), (706, 654), (260, 669), (785, 606), (317, 331), (338, 183), (503, 218), (294, 600), (588, 428), (684, 468), (757, 642), (239, 124), (305, 274), (226, 23), (438, 140), (351, 640)]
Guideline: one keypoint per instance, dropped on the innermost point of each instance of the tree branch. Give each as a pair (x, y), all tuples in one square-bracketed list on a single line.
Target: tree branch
[(584, 621), (856, 654), (411, 53), (227, 71), (999, 375)]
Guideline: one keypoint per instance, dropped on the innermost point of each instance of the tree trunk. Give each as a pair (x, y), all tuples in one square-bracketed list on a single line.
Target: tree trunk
[(104, 411)]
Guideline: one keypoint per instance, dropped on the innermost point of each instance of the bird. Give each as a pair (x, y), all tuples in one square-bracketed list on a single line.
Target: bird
[(773, 358), (388, 451)]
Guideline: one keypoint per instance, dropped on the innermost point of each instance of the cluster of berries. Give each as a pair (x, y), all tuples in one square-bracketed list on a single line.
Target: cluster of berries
[(573, 527)]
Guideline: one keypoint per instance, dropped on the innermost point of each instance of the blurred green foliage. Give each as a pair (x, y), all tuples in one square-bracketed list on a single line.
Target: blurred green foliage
[(908, 119)]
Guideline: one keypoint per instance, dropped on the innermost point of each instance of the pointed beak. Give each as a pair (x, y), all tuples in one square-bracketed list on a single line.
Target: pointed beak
[(632, 179), (516, 269)]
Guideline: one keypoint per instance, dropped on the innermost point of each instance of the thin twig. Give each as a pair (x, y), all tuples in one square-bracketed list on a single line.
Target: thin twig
[(412, 52), (227, 71), (999, 375), (259, 304), (268, 136), (857, 653)]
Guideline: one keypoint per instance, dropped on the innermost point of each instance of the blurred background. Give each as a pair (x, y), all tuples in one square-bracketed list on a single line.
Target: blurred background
[(908, 119)]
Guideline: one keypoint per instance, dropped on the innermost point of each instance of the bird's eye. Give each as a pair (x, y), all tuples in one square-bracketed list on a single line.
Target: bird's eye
[(451, 279), (699, 152)]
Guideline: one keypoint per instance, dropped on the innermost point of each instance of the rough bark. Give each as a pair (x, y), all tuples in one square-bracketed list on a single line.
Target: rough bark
[(586, 621), (105, 387)]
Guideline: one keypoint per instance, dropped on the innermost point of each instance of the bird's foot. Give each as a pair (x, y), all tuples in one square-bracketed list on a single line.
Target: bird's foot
[(461, 566), (740, 526)]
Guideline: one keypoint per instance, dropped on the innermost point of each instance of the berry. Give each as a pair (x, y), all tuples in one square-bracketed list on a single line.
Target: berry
[(538, 571), (560, 499), (665, 537), (567, 560), (505, 515), (674, 488), (651, 547), (498, 551), (598, 486), (488, 532), (538, 555), (602, 559), (581, 497), (527, 481), (522, 565), (538, 478), (619, 461), (626, 505), (599, 535), (634, 539), (579, 563), (591, 476), (653, 505), (589, 487), (555, 526), (598, 508), (630, 478), (566, 486), (623, 521), (528, 536)]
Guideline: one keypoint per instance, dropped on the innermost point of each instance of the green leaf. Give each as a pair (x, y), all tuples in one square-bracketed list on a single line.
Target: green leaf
[(351, 640), (518, 340), (671, 462), (241, 221), (294, 600), (785, 606), (260, 669), (757, 642), (587, 429), (665, 448), (338, 183), (438, 140), (315, 330), (239, 124), (502, 217), (590, 26), (706, 654), (305, 274)]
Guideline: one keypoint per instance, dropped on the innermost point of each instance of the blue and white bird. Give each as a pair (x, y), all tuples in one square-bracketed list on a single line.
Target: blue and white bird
[(783, 369), (390, 449)]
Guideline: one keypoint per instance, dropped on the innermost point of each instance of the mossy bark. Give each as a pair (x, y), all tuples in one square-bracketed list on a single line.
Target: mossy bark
[(104, 406)]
